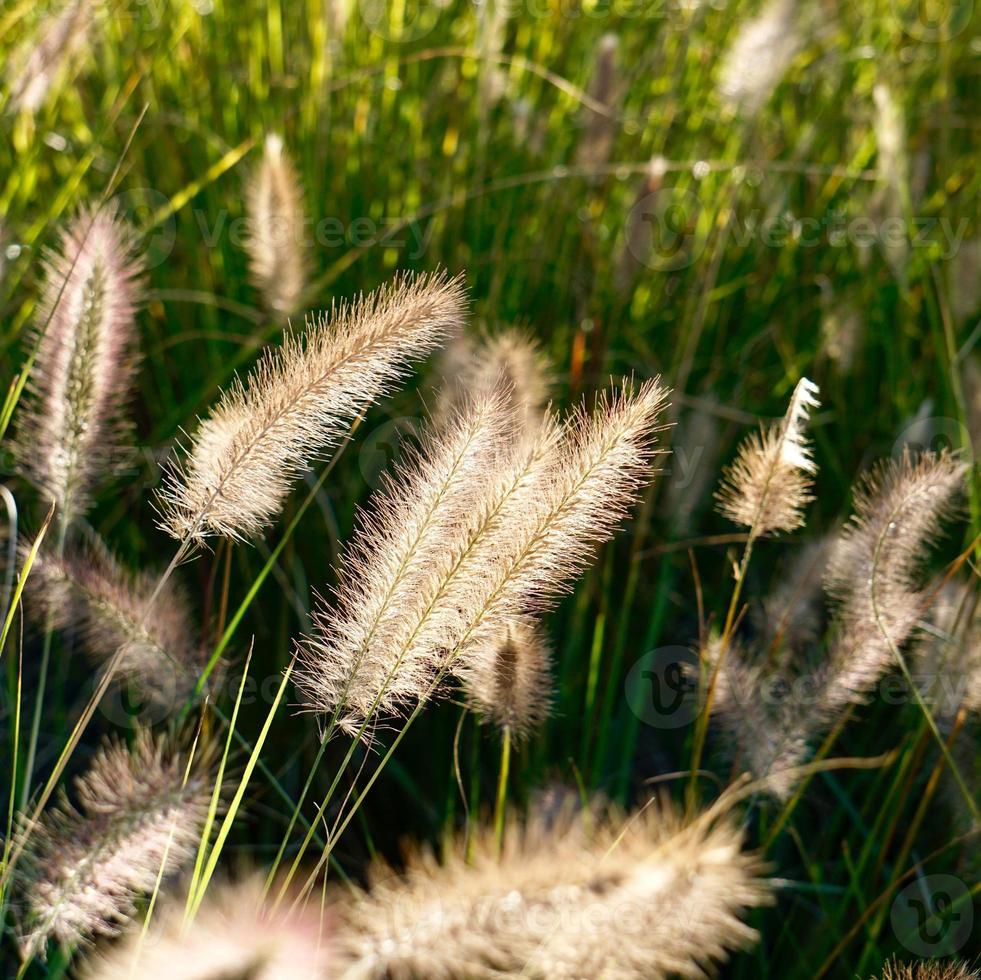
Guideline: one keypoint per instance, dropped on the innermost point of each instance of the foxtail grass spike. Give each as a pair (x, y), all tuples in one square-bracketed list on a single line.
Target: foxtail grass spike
[(37, 64), (84, 869), (567, 896), (90, 593), (507, 679), (278, 260), (874, 569), (507, 363), (264, 432), (232, 935), (538, 512), (767, 486), (759, 57), (351, 659), (73, 422), (928, 970)]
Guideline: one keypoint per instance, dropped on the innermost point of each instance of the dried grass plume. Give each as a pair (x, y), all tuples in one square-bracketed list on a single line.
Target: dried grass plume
[(232, 935), (73, 420), (298, 400), (140, 809), (571, 895), (278, 260), (767, 486)]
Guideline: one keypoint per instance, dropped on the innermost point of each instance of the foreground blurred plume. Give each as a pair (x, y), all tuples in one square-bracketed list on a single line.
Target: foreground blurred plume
[(759, 57), (572, 895), (297, 402), (873, 570), (766, 488), (140, 809), (80, 383), (507, 678), (466, 556), (35, 66), (89, 592), (277, 231), (232, 936)]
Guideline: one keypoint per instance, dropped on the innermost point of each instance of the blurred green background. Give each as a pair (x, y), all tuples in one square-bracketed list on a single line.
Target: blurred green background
[(641, 199)]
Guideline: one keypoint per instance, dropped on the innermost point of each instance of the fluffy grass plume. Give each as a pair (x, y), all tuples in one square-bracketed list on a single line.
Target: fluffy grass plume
[(36, 65), (232, 935), (507, 679), (948, 655), (507, 362), (874, 568), (759, 57), (297, 401), (277, 230), (507, 547), (89, 592), (140, 808), (571, 895), (928, 970), (80, 383), (766, 487), (766, 735), (415, 516)]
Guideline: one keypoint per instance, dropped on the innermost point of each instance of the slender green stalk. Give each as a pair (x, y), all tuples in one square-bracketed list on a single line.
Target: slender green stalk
[(500, 803)]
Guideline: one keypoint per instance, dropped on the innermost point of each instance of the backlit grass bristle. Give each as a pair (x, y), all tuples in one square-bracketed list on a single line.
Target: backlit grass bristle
[(277, 241), (568, 895), (233, 935), (139, 809), (507, 362), (766, 735), (767, 486), (89, 593), (507, 679), (72, 424), (874, 569), (507, 546), (928, 970), (298, 401)]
